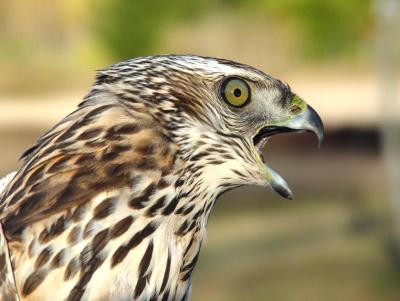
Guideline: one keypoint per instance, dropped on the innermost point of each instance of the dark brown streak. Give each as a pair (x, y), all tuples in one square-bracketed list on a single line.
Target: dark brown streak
[(58, 259), (59, 164), (187, 269), (105, 208), (141, 201), (33, 281), (136, 239), (99, 241), (143, 267), (166, 273), (71, 269), (97, 111), (121, 227), (157, 205), (171, 206), (90, 133), (79, 289), (43, 258), (73, 235), (55, 230)]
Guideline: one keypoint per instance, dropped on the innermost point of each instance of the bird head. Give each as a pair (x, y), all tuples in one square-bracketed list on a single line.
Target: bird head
[(219, 113)]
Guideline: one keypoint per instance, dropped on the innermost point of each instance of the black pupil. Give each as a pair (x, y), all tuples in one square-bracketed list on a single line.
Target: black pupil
[(237, 92)]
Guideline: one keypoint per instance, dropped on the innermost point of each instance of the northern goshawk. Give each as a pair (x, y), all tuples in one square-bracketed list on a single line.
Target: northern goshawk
[(112, 202)]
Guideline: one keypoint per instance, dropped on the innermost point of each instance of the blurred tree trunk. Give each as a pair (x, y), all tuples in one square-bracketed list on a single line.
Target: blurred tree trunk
[(388, 63)]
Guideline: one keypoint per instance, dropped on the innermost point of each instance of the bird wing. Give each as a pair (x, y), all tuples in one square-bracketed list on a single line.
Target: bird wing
[(91, 151), (8, 288), (67, 166)]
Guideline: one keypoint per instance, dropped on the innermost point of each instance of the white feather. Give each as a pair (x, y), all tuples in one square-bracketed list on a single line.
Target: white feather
[(5, 180)]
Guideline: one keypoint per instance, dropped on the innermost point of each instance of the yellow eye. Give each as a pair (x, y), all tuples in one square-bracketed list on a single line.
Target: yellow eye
[(235, 91)]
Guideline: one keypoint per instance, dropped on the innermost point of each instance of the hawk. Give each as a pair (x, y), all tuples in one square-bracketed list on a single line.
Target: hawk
[(112, 202)]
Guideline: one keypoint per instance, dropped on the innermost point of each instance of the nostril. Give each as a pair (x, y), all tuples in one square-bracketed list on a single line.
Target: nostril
[(295, 109)]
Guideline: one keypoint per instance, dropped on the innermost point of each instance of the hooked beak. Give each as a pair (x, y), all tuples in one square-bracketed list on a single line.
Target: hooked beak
[(303, 119)]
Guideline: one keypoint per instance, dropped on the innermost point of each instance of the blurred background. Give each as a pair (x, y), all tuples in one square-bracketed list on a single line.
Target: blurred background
[(340, 238)]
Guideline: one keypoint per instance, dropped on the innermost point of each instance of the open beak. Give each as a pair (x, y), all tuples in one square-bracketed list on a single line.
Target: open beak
[(303, 119)]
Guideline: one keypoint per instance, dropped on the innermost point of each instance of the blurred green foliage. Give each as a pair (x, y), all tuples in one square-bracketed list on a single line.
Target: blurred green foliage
[(327, 28), (132, 28)]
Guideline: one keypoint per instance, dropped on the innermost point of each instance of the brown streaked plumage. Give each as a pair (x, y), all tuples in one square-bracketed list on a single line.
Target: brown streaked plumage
[(113, 201)]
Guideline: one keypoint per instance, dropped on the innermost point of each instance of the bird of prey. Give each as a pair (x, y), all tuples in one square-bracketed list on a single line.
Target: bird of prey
[(112, 202)]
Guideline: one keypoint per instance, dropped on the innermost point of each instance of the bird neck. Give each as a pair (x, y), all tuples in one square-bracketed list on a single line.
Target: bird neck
[(170, 214)]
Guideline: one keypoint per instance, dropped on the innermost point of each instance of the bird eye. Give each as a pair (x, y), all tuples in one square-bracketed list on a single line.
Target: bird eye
[(235, 92)]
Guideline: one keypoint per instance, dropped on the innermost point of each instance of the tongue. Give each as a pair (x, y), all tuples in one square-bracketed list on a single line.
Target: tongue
[(278, 184)]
